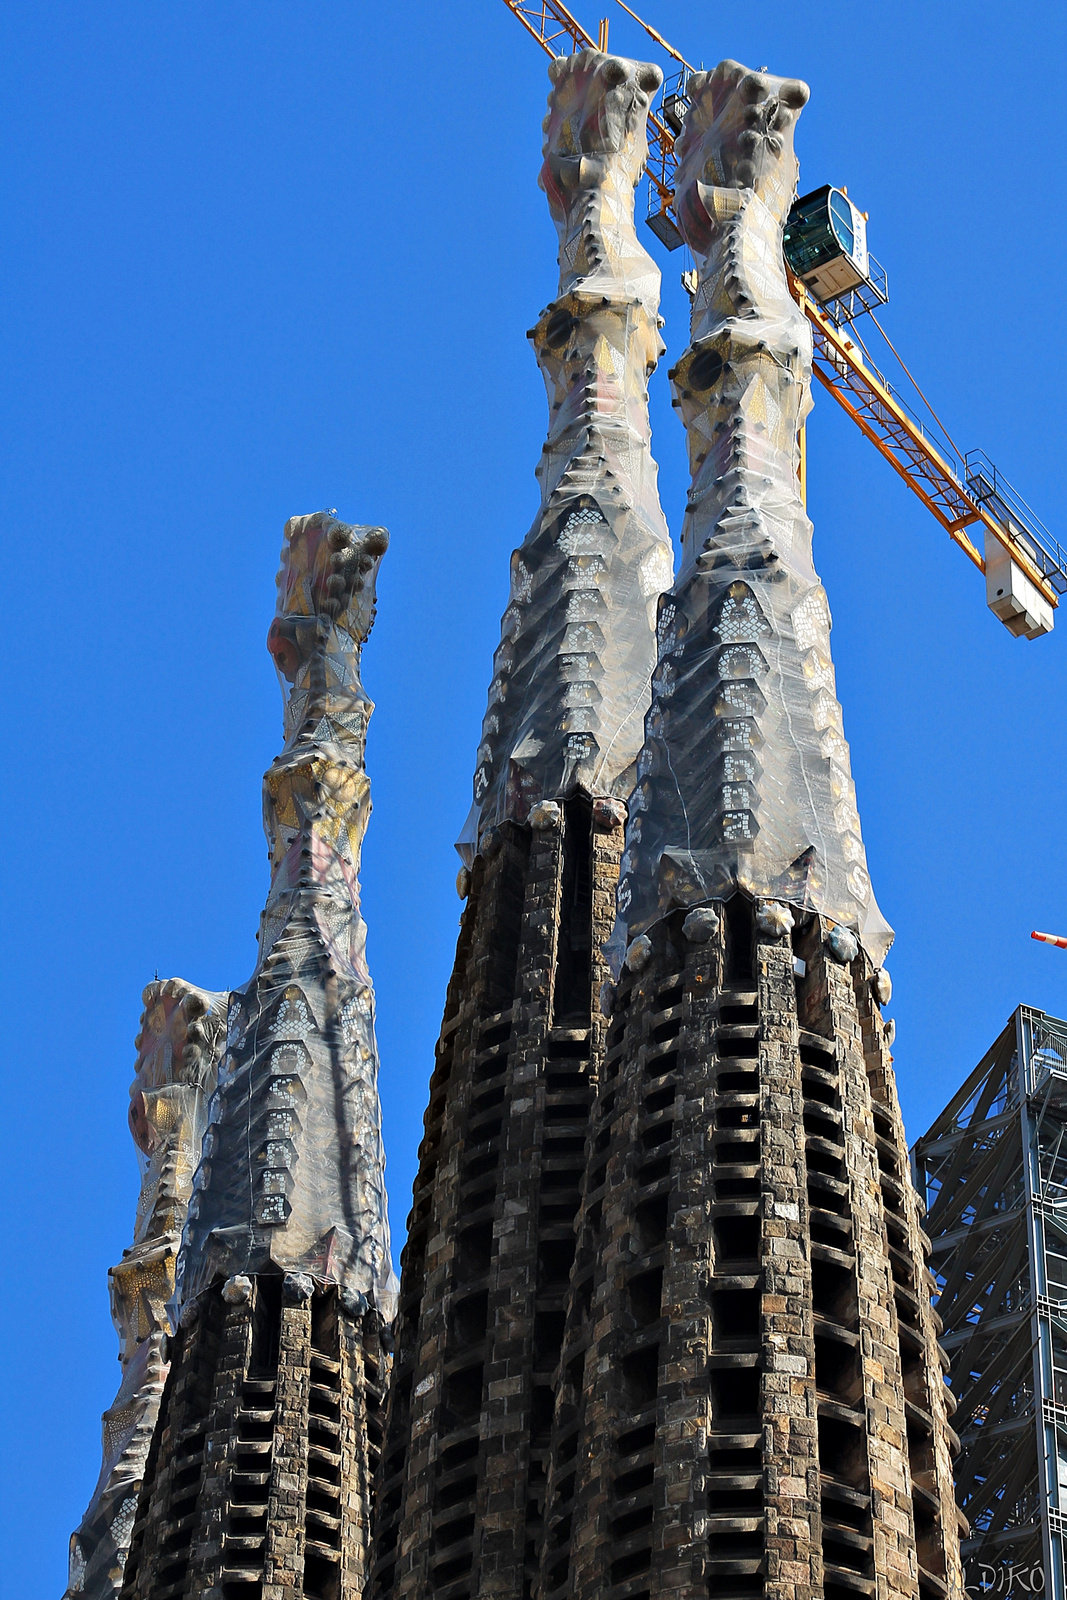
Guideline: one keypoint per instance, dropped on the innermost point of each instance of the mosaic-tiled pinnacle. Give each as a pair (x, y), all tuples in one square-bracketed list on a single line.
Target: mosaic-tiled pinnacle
[(744, 780), (572, 671)]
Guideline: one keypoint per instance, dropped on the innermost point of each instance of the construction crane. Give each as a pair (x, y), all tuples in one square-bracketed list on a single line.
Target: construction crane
[(835, 280)]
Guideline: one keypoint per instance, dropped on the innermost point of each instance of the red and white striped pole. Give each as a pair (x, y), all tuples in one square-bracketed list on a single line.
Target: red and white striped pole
[(1051, 938)]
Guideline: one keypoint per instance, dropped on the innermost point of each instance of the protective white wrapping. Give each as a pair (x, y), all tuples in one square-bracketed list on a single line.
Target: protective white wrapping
[(571, 676), (744, 779), (178, 1048), (292, 1174)]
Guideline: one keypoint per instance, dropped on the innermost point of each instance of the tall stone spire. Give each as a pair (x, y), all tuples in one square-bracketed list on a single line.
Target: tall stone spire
[(570, 685), (491, 1232), (750, 1396), (744, 780), (268, 1434), (307, 1194), (178, 1048)]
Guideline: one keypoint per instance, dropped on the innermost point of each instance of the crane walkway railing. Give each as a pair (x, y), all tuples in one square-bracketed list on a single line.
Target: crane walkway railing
[(882, 417)]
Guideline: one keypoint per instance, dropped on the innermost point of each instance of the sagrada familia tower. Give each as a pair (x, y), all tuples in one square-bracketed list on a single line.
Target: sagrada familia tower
[(664, 1324)]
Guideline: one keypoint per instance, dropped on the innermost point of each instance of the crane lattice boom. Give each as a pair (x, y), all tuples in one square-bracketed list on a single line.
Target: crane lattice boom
[(877, 413)]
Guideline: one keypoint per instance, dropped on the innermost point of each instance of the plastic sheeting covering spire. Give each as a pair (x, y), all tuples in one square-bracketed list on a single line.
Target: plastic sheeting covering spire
[(571, 680), (178, 1048), (744, 779), (292, 1174)]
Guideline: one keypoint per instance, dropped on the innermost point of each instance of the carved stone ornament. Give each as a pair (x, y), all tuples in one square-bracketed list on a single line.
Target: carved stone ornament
[(701, 925), (774, 919), (843, 944), (744, 780)]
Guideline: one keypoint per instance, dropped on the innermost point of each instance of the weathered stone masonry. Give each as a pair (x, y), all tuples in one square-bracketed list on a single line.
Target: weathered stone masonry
[(258, 1483), (491, 1233), (732, 1413), (260, 1473)]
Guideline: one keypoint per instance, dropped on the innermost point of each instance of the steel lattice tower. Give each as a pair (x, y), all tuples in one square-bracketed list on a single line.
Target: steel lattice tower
[(993, 1172)]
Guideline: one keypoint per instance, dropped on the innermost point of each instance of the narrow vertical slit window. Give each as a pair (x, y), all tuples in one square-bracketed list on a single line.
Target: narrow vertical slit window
[(572, 985)]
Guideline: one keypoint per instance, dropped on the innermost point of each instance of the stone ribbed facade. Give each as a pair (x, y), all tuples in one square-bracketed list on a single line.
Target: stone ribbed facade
[(491, 1236), (178, 1049), (491, 1232), (258, 1482), (751, 1396)]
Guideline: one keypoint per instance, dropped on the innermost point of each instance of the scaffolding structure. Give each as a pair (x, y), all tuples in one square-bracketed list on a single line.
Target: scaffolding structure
[(993, 1173)]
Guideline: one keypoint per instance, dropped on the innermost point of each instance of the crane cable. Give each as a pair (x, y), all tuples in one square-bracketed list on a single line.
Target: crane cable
[(922, 421), (660, 40), (959, 453)]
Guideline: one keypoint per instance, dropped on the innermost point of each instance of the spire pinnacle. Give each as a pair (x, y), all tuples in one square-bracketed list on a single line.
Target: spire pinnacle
[(744, 780), (292, 1176), (571, 676)]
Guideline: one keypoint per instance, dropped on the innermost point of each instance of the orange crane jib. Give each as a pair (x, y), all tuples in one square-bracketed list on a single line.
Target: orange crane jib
[(837, 363), (876, 412)]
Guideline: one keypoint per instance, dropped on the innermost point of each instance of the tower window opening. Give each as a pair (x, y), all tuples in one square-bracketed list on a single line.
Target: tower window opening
[(572, 988), (740, 928)]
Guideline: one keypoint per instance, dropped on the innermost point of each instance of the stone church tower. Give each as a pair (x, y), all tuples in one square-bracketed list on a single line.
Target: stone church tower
[(258, 1478), (491, 1235), (750, 1396), (178, 1048), (665, 1325)]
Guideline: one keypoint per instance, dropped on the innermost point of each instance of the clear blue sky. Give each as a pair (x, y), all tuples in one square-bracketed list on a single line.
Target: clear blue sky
[(261, 259)]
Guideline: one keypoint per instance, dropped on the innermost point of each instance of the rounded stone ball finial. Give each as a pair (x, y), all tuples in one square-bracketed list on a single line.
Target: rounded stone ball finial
[(608, 814), (882, 986), (842, 944), (701, 925), (774, 919), (237, 1290), (297, 1287), (189, 1315), (353, 1301), (638, 953)]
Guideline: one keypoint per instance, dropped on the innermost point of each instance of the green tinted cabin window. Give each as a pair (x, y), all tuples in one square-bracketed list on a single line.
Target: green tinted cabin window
[(841, 220), (811, 232)]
